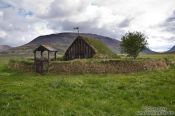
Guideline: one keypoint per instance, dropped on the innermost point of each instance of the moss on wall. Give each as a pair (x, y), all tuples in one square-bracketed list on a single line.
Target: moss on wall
[(90, 66)]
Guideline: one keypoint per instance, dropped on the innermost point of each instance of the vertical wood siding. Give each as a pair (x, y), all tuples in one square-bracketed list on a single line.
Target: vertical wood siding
[(79, 49)]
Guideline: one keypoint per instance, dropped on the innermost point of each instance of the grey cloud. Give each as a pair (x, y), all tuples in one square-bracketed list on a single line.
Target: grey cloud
[(171, 39), (171, 18), (169, 24), (2, 41), (125, 23), (85, 27), (4, 5), (60, 8)]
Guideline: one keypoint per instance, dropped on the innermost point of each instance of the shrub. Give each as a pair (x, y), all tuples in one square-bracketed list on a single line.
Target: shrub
[(133, 43)]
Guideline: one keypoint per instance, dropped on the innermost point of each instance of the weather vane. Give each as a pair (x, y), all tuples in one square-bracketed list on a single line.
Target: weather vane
[(77, 28)]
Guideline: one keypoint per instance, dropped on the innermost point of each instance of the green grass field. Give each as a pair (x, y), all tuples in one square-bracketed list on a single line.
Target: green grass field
[(84, 95), (159, 56)]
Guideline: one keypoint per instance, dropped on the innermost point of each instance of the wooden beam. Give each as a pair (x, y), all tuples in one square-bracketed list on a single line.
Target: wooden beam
[(35, 61), (34, 55), (41, 54), (55, 56), (48, 55)]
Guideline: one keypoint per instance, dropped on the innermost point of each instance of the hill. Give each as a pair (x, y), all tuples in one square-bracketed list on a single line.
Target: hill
[(62, 41), (148, 51), (4, 48), (172, 49)]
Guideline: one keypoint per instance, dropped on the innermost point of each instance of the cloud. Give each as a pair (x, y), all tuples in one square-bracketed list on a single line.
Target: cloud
[(170, 24), (125, 23), (66, 8), (20, 25), (23, 20), (4, 4)]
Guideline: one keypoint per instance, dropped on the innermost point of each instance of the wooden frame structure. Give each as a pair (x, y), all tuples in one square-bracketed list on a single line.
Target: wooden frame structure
[(43, 48), (42, 64)]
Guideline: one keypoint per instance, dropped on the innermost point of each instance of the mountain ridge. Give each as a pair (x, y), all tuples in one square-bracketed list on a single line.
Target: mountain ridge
[(172, 49), (4, 48), (62, 41)]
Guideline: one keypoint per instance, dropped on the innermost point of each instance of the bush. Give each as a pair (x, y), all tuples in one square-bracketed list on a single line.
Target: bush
[(133, 43)]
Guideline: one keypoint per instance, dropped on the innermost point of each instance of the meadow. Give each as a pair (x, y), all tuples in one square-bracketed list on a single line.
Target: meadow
[(31, 94)]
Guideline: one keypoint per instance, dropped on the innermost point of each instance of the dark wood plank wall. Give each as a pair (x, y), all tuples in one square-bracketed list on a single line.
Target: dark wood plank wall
[(79, 49)]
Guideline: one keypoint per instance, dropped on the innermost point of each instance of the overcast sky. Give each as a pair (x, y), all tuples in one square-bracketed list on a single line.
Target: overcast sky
[(23, 20)]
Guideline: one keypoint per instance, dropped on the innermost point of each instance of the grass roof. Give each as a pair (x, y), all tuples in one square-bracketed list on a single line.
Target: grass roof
[(99, 46)]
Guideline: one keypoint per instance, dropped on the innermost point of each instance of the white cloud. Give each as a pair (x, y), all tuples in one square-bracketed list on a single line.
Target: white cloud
[(27, 19), (147, 16), (2, 34), (41, 28)]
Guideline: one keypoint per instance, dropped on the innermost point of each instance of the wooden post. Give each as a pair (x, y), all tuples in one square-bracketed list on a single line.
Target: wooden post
[(55, 56), (34, 55), (48, 56), (79, 48), (41, 54), (48, 61), (35, 61)]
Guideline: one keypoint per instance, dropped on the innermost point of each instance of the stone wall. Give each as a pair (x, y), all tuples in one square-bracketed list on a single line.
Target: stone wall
[(100, 67), (111, 66)]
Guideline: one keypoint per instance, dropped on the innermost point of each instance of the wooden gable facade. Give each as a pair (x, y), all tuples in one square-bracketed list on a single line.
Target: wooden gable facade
[(43, 48), (79, 49)]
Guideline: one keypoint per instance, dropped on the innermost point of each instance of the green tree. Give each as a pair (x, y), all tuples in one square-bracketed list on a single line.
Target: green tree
[(133, 43)]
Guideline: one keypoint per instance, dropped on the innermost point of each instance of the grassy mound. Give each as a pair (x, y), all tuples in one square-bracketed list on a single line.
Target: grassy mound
[(100, 48)]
